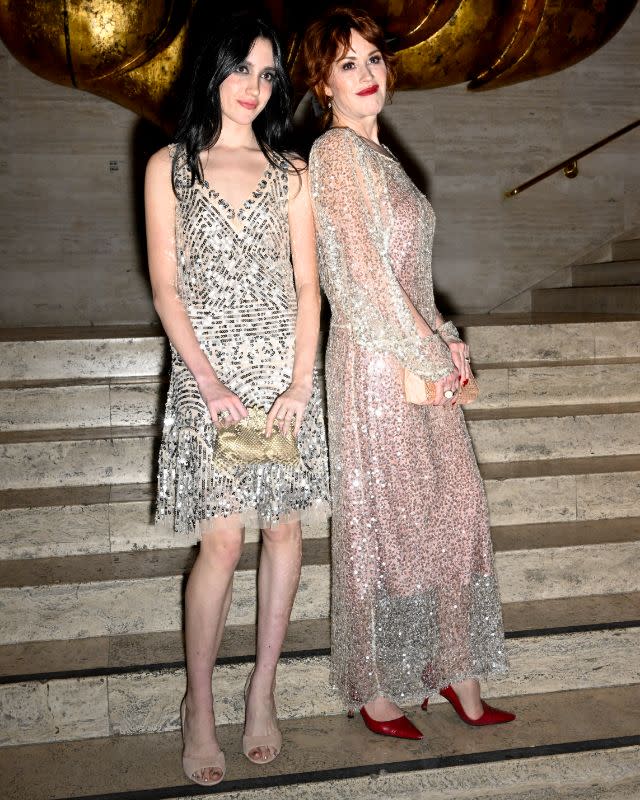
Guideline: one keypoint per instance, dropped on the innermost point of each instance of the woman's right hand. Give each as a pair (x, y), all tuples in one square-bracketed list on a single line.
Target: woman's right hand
[(224, 406), (450, 382)]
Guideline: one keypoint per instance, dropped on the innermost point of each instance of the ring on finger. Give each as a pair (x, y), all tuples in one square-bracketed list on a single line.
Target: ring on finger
[(449, 394), (223, 414)]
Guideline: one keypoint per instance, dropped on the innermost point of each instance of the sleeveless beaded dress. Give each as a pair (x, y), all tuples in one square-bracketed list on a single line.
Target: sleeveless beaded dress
[(415, 603), (235, 279)]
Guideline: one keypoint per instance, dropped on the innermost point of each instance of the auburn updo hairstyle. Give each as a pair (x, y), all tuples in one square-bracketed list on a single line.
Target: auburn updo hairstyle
[(328, 39)]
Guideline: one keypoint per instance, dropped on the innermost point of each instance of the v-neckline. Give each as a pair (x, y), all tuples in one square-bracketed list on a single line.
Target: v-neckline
[(231, 213)]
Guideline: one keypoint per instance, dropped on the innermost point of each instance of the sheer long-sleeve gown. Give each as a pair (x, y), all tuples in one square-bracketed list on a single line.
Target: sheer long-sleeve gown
[(415, 604)]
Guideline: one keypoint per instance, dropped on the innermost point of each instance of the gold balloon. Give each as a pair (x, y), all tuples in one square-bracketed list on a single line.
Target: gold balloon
[(131, 51)]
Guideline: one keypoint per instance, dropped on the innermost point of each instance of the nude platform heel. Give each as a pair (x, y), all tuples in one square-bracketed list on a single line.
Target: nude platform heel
[(273, 741), (194, 765)]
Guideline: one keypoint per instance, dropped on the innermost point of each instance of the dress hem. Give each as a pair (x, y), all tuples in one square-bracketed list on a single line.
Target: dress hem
[(319, 511), (407, 700)]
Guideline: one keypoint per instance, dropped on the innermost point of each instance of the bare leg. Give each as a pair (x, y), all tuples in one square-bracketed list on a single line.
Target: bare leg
[(207, 601), (278, 579), (468, 692)]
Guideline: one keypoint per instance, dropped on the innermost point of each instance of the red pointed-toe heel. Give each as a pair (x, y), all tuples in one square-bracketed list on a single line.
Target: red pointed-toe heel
[(401, 727), (490, 715)]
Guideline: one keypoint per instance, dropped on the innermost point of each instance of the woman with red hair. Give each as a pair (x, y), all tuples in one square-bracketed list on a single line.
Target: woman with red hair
[(415, 603)]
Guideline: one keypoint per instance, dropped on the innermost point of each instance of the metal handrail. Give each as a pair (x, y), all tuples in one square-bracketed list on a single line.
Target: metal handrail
[(570, 165)]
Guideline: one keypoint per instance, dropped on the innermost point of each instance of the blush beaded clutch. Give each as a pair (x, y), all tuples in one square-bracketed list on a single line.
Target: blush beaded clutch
[(423, 393), (247, 443)]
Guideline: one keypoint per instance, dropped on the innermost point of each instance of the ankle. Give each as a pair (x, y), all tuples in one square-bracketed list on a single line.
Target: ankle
[(380, 708), (468, 696), (263, 681), (196, 707)]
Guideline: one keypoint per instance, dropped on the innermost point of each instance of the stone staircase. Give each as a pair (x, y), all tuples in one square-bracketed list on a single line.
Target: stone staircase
[(91, 658), (611, 287)]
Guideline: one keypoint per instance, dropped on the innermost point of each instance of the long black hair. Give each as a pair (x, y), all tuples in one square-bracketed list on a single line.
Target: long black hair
[(201, 121)]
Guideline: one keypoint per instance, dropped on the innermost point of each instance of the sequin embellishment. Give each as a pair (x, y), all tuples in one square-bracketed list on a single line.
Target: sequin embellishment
[(415, 604), (235, 280)]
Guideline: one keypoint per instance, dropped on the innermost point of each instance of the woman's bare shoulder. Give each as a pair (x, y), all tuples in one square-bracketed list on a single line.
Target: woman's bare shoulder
[(160, 163)]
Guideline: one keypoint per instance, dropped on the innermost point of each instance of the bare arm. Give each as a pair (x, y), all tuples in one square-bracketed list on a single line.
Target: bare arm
[(303, 253), (305, 270), (160, 221)]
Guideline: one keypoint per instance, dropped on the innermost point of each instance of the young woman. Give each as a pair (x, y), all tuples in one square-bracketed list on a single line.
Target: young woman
[(415, 604), (232, 260)]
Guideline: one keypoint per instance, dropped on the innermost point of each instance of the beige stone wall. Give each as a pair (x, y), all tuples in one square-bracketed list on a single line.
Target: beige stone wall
[(71, 227), (71, 167), (474, 146)]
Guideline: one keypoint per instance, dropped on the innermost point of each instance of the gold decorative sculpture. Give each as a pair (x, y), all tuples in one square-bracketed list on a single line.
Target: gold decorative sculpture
[(131, 51)]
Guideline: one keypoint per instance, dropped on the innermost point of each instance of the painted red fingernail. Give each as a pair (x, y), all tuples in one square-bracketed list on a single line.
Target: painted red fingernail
[(464, 383)]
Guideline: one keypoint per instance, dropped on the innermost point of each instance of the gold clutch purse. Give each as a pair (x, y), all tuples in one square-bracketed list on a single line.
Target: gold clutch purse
[(423, 393), (247, 443)]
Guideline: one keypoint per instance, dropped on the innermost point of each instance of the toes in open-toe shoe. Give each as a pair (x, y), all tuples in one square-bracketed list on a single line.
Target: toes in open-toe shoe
[(198, 767), (272, 743), (267, 742)]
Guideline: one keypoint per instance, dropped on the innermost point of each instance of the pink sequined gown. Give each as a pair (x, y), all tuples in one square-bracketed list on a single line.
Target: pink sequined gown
[(415, 604)]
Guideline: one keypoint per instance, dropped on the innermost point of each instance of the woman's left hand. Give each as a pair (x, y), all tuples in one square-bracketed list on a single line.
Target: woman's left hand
[(289, 408), (460, 356)]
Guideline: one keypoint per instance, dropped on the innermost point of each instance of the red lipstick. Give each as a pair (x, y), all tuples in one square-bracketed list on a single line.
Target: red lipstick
[(369, 90), (248, 104)]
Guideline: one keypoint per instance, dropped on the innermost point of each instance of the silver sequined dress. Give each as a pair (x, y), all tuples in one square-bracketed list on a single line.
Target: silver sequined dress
[(415, 604), (235, 279)]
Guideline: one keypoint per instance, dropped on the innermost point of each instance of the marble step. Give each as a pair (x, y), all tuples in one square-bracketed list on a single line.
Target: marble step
[(40, 523), (72, 353), (554, 435), (91, 403), (629, 249), (48, 522), (611, 273), (76, 597), (96, 403), (588, 299), (120, 654), (564, 745), (68, 353), (147, 701), (116, 455)]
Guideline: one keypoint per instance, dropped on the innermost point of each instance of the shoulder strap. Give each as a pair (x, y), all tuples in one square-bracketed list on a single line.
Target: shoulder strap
[(179, 159)]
